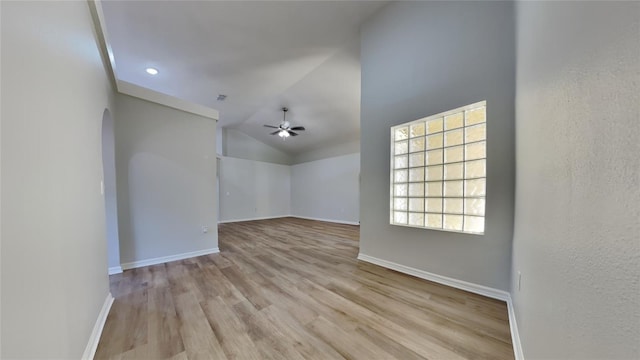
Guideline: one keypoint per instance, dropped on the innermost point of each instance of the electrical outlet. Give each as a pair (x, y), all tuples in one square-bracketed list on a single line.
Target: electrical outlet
[(519, 280), (205, 229)]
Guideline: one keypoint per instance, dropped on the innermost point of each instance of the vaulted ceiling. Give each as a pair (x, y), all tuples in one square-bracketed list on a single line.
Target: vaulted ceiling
[(263, 55)]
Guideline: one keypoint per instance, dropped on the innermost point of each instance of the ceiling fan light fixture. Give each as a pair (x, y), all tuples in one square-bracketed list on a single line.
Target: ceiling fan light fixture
[(284, 129)]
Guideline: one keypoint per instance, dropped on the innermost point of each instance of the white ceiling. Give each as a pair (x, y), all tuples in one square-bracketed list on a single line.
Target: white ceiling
[(263, 55)]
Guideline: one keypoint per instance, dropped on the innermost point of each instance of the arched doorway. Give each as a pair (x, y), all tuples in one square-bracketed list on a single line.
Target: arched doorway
[(110, 199)]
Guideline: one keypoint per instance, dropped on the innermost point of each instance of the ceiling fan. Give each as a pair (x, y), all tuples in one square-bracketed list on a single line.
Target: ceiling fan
[(284, 129)]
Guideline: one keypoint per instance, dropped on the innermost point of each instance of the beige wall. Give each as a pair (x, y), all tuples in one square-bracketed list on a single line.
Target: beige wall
[(166, 178), (577, 226), (54, 259)]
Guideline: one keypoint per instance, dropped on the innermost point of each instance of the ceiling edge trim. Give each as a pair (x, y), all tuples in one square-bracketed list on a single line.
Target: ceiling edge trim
[(166, 100), (139, 91), (102, 34)]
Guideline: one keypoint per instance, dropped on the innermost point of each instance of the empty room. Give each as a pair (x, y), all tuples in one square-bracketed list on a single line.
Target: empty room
[(319, 179)]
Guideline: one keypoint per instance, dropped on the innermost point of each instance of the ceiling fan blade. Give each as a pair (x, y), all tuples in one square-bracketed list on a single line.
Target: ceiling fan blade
[(292, 133), (271, 126), (275, 132), (298, 128)]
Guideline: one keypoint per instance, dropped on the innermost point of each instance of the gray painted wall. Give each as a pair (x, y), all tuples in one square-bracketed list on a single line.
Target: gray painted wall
[(54, 248), (327, 189), (419, 59), (323, 189), (239, 145), (576, 241), (166, 170), (219, 140), (253, 189), (110, 192), (0, 194), (236, 144), (329, 151)]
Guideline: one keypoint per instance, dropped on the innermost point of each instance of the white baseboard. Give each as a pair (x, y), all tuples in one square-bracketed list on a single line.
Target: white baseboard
[(293, 216), (458, 284), (115, 270), (94, 339), (327, 220), (515, 334), (253, 219), (164, 259)]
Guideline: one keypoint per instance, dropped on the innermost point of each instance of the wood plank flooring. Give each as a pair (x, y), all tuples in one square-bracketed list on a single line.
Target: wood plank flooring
[(293, 289)]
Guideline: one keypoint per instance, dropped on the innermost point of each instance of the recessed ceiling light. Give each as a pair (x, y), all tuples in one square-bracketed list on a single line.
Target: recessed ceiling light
[(152, 71)]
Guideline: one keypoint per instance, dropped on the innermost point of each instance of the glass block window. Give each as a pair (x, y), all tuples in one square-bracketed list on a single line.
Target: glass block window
[(439, 171)]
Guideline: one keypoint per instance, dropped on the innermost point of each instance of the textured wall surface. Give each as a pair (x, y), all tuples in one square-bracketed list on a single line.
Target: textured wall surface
[(54, 247), (577, 227), (166, 171), (419, 59), (327, 189)]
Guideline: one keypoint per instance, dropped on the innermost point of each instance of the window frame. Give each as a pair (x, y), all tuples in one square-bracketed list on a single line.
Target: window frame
[(464, 161)]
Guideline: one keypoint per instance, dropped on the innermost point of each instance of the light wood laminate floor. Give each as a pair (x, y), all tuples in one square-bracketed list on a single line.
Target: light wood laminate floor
[(293, 289)]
